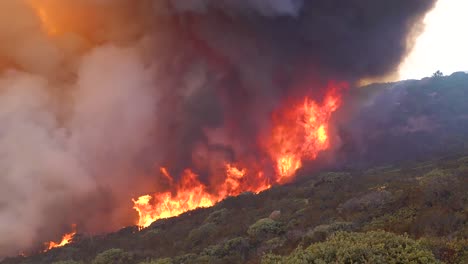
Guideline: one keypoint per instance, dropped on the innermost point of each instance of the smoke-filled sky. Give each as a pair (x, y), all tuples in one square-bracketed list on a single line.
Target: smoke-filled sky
[(96, 94), (443, 45)]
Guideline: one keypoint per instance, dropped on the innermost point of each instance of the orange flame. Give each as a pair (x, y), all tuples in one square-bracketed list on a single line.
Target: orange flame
[(66, 239), (300, 131), (190, 194)]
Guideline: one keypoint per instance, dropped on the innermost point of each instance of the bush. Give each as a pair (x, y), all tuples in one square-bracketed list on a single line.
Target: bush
[(265, 228), (371, 247), (67, 262), (449, 251), (217, 217), (158, 261), (237, 247), (202, 233), (321, 232), (438, 186), (397, 222), (113, 256), (369, 201)]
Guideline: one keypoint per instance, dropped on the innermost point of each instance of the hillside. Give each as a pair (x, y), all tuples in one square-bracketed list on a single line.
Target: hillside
[(397, 188)]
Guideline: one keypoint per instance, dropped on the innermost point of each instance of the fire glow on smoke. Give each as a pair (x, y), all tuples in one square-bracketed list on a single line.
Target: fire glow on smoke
[(299, 132), (138, 83)]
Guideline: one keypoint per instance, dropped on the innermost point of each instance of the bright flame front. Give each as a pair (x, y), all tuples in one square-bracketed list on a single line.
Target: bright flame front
[(66, 239), (300, 132)]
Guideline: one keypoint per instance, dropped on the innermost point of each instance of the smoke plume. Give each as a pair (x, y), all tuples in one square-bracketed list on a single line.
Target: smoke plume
[(95, 95)]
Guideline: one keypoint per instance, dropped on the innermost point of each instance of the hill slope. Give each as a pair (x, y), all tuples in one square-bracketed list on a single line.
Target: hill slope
[(409, 125)]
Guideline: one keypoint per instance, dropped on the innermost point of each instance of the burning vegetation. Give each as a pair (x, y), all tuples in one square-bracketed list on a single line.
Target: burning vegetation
[(299, 132), (66, 239), (222, 97)]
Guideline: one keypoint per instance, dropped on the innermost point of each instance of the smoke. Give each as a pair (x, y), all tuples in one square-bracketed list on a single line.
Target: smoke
[(96, 94), (261, 7)]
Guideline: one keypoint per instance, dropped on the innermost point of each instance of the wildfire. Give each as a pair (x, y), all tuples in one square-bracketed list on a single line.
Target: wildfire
[(190, 194), (66, 239), (299, 132)]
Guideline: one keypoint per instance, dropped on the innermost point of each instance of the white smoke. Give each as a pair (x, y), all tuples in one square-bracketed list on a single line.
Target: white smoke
[(48, 160)]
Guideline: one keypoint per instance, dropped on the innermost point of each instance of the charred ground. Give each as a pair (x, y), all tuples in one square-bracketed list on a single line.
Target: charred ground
[(402, 168)]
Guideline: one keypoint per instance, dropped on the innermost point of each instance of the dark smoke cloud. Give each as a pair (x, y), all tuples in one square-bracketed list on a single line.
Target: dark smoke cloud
[(87, 115), (262, 57), (260, 7)]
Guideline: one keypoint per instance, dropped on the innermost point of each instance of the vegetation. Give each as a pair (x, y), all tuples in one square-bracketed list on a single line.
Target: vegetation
[(372, 247), (364, 211)]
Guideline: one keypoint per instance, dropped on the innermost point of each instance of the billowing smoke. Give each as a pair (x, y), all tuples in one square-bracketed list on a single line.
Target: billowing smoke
[(96, 94), (261, 7)]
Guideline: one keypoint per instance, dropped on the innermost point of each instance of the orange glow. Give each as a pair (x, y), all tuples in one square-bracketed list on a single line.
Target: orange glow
[(299, 132), (190, 193), (66, 239), (48, 24), (58, 18)]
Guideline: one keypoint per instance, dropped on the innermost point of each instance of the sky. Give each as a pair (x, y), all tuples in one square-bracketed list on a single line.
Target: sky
[(444, 43)]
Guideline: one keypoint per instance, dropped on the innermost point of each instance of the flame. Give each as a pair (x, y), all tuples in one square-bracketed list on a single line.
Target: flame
[(66, 239), (299, 132), (191, 193)]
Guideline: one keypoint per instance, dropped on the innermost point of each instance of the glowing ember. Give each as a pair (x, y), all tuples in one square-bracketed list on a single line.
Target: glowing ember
[(299, 132), (66, 239)]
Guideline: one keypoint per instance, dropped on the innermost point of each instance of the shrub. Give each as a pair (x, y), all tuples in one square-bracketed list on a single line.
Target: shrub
[(237, 246), (398, 222), (217, 217), (113, 256), (204, 232), (449, 251), (67, 262), (369, 201), (371, 247), (438, 185), (158, 261), (265, 228), (321, 232)]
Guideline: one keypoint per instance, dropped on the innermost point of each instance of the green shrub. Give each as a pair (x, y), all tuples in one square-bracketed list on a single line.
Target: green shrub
[(217, 217), (398, 222), (67, 262), (265, 228), (321, 232), (203, 232), (438, 186), (449, 251), (158, 261), (113, 256), (371, 247), (232, 251)]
